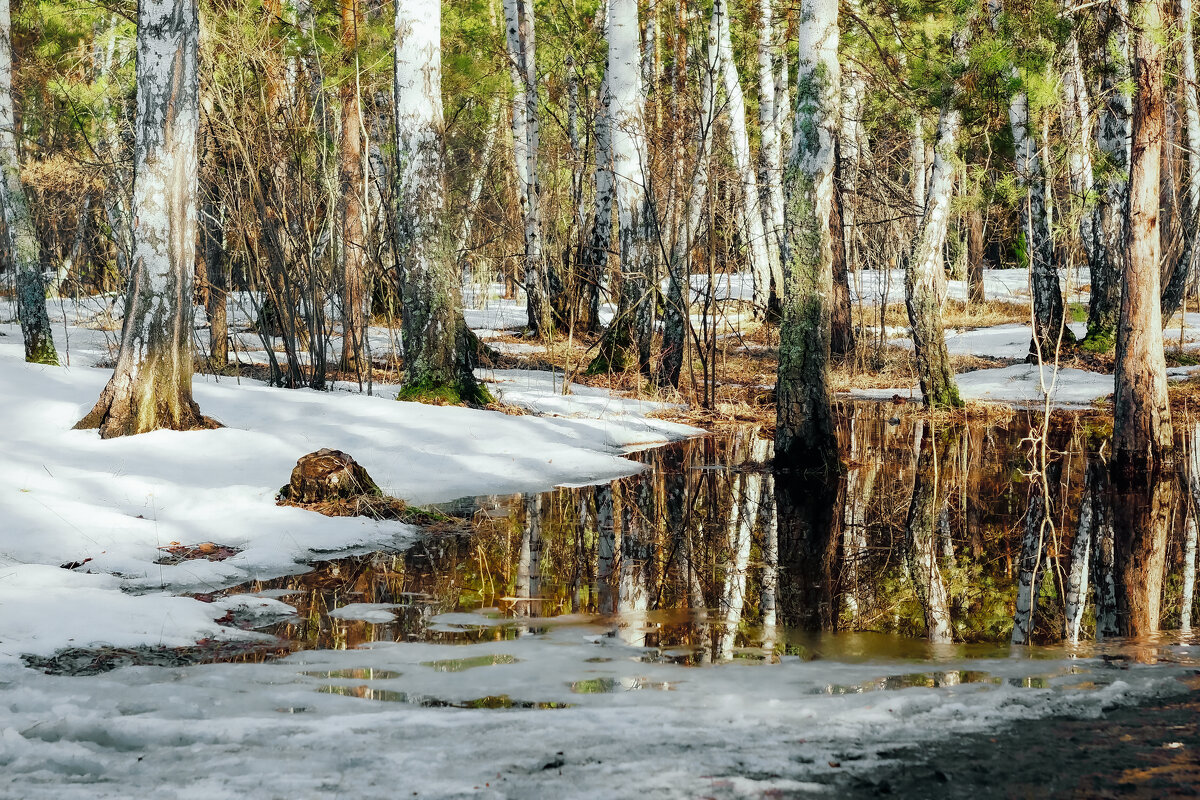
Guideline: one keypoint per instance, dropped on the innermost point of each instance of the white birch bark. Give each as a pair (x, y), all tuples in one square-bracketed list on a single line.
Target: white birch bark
[(437, 346), (771, 152), (519, 34), (1077, 131), (602, 228), (1114, 133), (923, 273), (760, 264), (627, 341), (151, 386), (21, 239)]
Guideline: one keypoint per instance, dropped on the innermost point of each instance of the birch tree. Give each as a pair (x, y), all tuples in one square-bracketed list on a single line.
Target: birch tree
[(596, 254), (739, 144), (151, 386), (20, 239), (626, 342), (1141, 410), (1049, 325), (351, 182), (1113, 136), (804, 431), (771, 148), (519, 36), (439, 350), (923, 269)]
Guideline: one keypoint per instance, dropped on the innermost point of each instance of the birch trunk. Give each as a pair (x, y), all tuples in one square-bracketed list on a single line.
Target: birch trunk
[(351, 184), (756, 239), (626, 342), (439, 350), (1141, 519), (804, 432), (1077, 130), (519, 34), (1141, 411), (1049, 324), (1113, 136), (771, 152), (20, 238), (924, 265), (596, 253), (151, 386)]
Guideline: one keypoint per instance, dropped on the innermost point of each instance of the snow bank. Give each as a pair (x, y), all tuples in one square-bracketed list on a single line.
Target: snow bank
[(71, 497)]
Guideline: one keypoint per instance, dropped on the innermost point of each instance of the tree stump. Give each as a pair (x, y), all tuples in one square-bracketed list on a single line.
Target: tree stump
[(329, 476)]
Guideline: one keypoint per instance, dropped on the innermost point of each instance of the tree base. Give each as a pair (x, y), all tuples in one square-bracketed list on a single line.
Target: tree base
[(118, 413), (463, 392)]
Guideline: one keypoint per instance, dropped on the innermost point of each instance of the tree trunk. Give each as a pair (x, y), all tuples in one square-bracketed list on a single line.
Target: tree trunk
[(439, 350), (675, 318), (1049, 324), (151, 387), (924, 264), (20, 237), (739, 143), (771, 152), (216, 270), (519, 34), (596, 254), (351, 183), (1141, 411), (975, 258), (804, 431), (626, 342), (1112, 139), (1077, 130), (1187, 267)]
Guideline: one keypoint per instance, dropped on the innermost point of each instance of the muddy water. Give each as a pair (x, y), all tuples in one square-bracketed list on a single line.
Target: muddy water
[(941, 541)]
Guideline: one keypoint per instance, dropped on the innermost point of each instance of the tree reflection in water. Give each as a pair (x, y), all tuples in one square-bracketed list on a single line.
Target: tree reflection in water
[(937, 531)]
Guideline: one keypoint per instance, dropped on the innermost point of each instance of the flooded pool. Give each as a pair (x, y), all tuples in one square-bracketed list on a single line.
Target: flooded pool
[(936, 543)]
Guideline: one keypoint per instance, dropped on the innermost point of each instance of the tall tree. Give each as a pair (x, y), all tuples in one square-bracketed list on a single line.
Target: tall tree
[(750, 213), (20, 239), (675, 316), (923, 268), (1107, 257), (1141, 410), (519, 35), (626, 342), (1049, 324), (439, 350), (151, 386), (804, 430), (1187, 267), (351, 182)]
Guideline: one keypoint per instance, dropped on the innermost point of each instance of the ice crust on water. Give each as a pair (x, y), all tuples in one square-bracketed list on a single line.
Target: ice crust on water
[(279, 730)]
